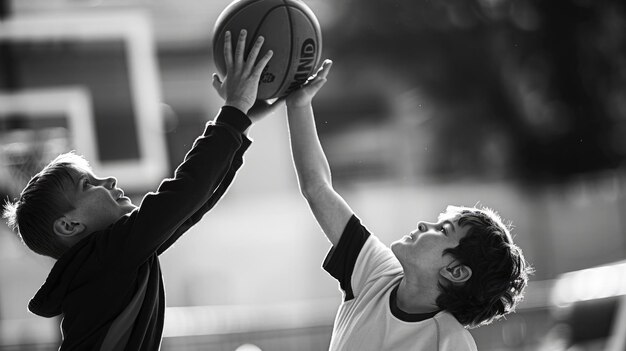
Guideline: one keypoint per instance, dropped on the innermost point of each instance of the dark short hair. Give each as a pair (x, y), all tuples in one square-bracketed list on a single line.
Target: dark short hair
[(45, 199), (499, 270)]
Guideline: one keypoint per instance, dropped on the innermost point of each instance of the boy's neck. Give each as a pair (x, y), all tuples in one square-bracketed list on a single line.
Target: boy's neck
[(413, 298)]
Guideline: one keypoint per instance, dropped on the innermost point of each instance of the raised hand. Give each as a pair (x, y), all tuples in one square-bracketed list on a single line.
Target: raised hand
[(302, 97), (240, 86)]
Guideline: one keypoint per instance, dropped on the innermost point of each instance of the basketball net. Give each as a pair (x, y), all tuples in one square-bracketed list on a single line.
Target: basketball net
[(24, 152)]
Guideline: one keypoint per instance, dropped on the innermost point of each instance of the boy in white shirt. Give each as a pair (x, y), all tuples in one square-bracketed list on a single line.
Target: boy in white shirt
[(459, 272)]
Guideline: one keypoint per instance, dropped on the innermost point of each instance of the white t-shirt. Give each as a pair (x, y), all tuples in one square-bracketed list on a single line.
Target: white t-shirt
[(368, 319)]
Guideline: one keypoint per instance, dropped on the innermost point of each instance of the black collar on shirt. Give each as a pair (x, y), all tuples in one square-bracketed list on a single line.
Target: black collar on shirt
[(404, 316)]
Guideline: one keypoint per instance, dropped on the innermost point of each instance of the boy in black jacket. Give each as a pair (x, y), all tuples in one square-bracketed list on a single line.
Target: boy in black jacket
[(107, 281)]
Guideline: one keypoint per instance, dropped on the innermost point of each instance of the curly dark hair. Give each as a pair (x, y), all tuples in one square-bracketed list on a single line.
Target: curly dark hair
[(44, 200), (499, 271)]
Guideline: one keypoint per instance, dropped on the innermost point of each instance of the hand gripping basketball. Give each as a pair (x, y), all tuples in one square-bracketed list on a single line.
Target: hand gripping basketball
[(302, 97), (240, 85), (291, 31)]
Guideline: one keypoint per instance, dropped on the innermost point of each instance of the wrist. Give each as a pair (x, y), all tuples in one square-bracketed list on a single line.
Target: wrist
[(297, 105)]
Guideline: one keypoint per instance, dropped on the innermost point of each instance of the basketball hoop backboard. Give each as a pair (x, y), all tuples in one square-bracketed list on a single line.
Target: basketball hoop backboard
[(102, 69)]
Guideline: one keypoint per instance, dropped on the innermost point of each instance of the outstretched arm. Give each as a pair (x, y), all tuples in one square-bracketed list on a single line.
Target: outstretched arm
[(314, 176), (238, 89), (209, 167)]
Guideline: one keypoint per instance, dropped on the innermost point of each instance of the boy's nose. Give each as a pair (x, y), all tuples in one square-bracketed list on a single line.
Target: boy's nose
[(110, 182)]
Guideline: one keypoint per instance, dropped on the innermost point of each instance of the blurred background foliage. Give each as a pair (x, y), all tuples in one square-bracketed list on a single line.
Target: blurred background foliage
[(538, 88)]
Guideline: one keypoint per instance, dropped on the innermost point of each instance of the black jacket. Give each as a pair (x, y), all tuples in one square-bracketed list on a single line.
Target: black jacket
[(108, 287)]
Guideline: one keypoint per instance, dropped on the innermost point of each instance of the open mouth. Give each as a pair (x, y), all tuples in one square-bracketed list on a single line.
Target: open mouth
[(121, 196)]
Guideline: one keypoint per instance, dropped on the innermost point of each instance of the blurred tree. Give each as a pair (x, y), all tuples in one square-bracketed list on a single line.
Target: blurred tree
[(542, 81)]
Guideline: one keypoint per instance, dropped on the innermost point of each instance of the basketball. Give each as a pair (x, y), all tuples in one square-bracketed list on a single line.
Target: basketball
[(291, 31)]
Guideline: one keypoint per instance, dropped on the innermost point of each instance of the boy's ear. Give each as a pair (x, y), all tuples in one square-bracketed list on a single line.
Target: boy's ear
[(458, 274), (65, 227)]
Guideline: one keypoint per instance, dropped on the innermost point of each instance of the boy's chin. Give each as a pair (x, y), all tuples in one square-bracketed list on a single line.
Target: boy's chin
[(396, 247), (403, 241), (129, 208)]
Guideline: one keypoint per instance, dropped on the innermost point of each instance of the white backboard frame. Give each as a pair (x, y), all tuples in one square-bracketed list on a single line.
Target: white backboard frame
[(134, 29)]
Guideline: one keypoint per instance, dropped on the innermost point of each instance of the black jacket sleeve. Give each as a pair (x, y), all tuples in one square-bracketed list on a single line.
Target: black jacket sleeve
[(215, 197), (179, 202)]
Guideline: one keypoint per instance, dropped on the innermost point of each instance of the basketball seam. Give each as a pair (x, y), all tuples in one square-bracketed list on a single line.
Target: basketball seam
[(256, 32), (288, 71), (225, 22), (318, 37)]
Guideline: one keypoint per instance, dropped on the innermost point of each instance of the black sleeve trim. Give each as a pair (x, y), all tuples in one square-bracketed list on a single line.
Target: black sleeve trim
[(233, 117), (341, 259)]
